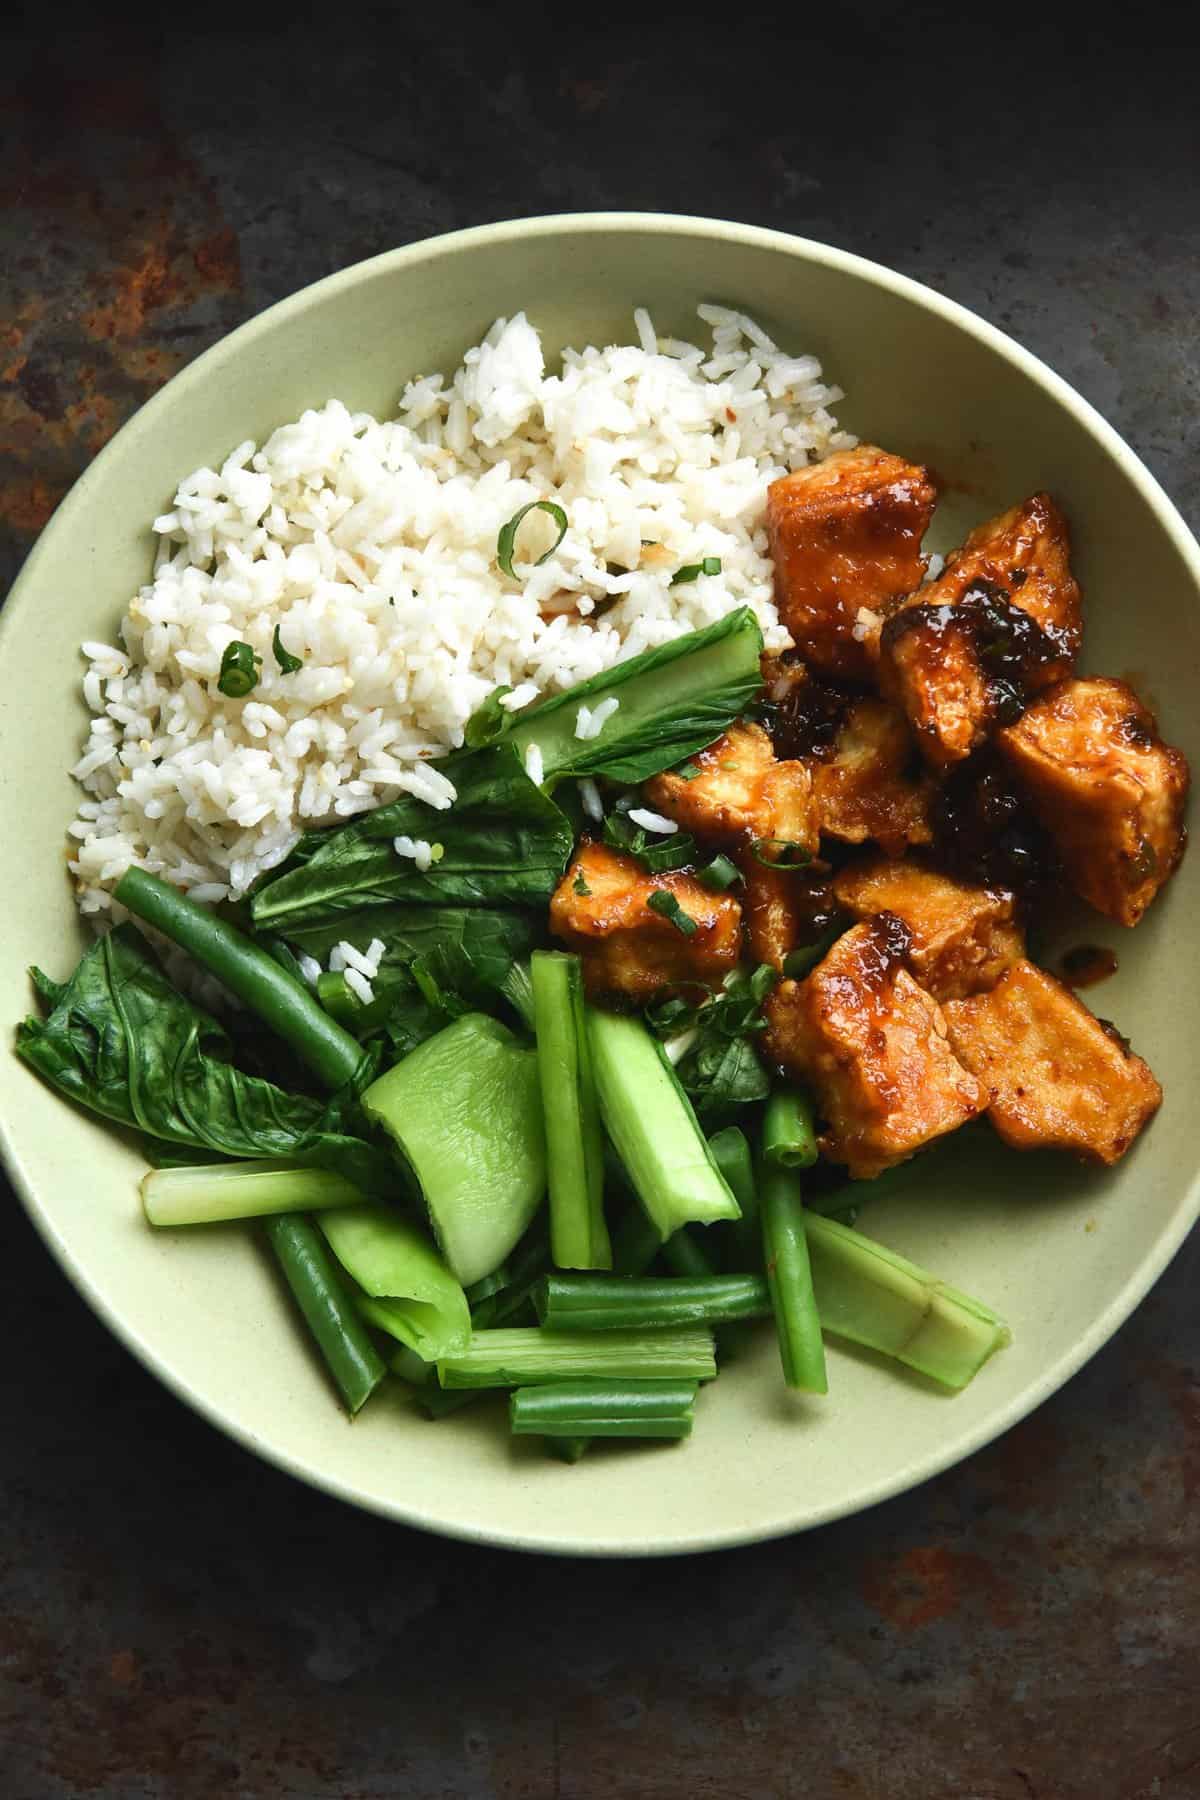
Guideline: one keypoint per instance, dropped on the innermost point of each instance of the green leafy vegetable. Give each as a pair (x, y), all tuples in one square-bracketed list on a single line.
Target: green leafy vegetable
[(239, 670), (407, 1289), (466, 1110), (720, 1071), (505, 842), (488, 723), (438, 962), (663, 901), (674, 701), (288, 664), (122, 1042), (507, 541), (711, 565)]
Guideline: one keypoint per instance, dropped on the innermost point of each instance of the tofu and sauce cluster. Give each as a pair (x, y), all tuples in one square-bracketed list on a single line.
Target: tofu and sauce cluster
[(925, 774)]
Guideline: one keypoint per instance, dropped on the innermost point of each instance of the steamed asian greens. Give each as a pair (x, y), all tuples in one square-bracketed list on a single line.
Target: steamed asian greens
[(472, 1171)]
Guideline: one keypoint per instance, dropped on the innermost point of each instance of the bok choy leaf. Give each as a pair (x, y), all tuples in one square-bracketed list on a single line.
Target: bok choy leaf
[(122, 1042)]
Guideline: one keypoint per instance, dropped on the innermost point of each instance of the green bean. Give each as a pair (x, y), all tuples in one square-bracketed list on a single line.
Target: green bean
[(341, 1336)]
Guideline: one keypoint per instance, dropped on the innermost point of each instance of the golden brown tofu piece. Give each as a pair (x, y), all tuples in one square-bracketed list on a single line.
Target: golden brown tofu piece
[(846, 534), (873, 1045), (773, 910), (866, 788), (1026, 551), (1108, 790), (930, 667), (741, 792), (1057, 1078), (963, 938), (602, 908), (1003, 618)]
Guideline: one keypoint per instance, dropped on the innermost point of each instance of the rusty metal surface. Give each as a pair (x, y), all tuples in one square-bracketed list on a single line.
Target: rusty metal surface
[(177, 1621)]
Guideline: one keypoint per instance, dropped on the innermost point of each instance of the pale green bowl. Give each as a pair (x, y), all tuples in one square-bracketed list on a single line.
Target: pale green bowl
[(1064, 1253)]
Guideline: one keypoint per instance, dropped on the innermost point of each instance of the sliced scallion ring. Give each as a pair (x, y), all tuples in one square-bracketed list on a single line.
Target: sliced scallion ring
[(664, 901), (711, 565), (788, 853), (507, 541)]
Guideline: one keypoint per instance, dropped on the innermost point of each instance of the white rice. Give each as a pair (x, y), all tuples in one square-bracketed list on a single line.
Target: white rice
[(371, 545)]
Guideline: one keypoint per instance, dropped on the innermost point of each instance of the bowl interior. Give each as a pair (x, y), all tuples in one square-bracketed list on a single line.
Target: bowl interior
[(1063, 1252)]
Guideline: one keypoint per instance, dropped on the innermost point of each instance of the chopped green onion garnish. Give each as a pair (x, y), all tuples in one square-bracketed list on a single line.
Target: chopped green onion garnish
[(580, 885), (663, 901), (718, 875), (239, 670), (688, 771), (506, 542), (672, 853), (288, 664), (788, 854), (711, 565)]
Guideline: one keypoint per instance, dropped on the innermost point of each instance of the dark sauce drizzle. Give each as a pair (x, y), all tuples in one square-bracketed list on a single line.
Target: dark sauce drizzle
[(1014, 650)]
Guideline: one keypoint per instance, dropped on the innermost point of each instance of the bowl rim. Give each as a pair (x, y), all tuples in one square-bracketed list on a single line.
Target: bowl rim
[(1158, 1255)]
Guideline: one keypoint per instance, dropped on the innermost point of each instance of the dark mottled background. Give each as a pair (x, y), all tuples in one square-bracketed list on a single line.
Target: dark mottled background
[(178, 1621)]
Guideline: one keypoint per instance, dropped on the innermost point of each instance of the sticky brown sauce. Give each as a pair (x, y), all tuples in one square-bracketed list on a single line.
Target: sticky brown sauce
[(1088, 964)]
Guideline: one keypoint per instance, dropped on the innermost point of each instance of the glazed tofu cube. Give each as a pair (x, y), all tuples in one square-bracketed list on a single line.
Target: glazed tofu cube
[(740, 793), (930, 667), (963, 938), (1108, 790), (773, 910), (1027, 553), (1056, 1078), (873, 1045), (1003, 618), (846, 538), (602, 907), (867, 789)]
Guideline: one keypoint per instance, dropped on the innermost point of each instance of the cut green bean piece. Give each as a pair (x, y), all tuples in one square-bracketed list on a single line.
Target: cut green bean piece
[(789, 1131), (651, 1123), (248, 971), (647, 1303), (207, 1193), (630, 1409), (340, 1334), (574, 1142), (516, 1356), (785, 1253), (875, 1297)]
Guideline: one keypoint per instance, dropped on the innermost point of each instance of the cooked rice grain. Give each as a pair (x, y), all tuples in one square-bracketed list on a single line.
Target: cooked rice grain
[(372, 544)]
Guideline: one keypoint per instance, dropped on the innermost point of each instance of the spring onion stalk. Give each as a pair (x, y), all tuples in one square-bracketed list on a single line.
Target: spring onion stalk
[(407, 1289), (249, 972), (515, 1357), (571, 1113), (871, 1295), (719, 875), (340, 1334), (651, 1123), (731, 1153), (612, 1409), (789, 1277), (465, 1109), (207, 1193), (789, 1138), (647, 1303), (684, 1254)]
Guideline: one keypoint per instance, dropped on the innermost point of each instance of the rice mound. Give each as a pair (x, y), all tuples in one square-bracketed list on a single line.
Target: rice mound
[(371, 546)]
